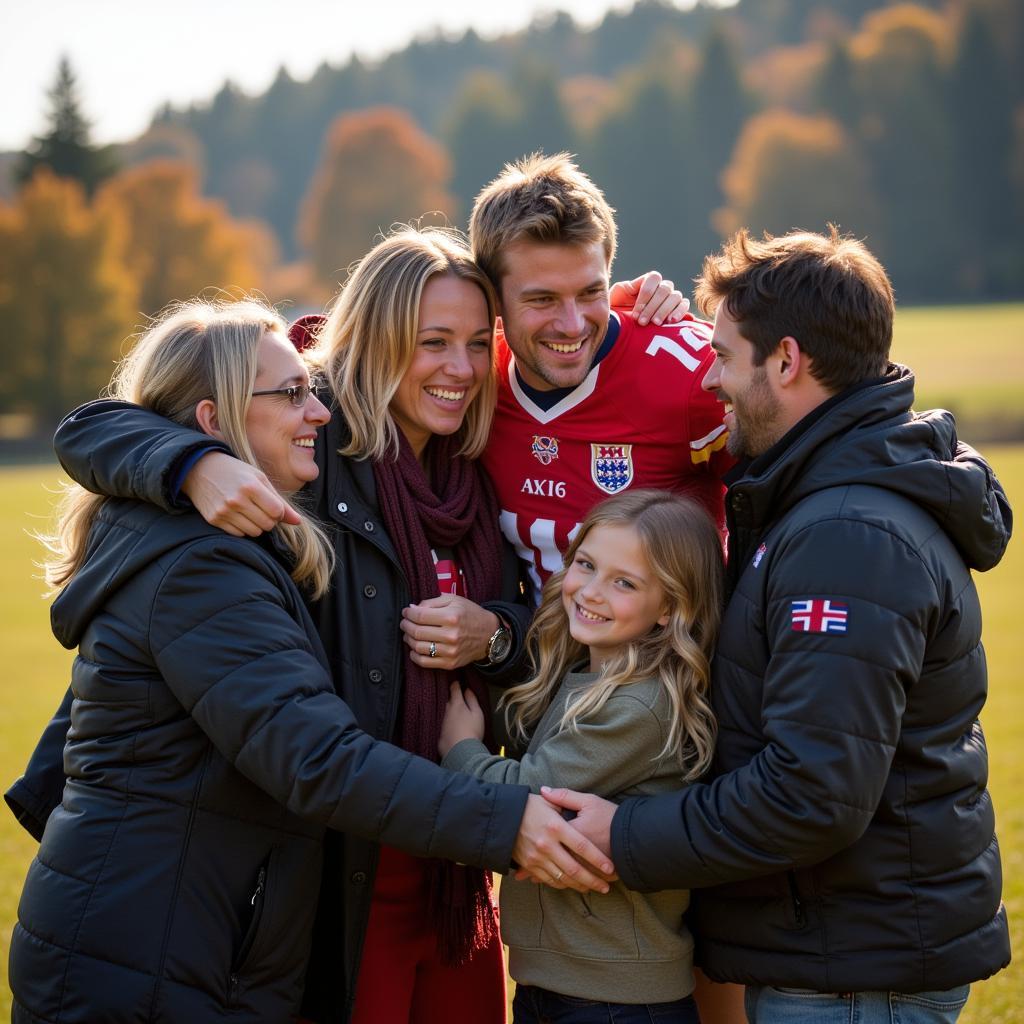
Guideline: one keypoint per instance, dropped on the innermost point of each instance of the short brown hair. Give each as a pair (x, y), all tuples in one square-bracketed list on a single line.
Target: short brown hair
[(826, 291), (544, 199)]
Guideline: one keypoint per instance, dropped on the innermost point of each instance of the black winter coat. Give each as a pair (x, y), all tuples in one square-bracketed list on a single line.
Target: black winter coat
[(114, 448), (177, 880), (850, 823)]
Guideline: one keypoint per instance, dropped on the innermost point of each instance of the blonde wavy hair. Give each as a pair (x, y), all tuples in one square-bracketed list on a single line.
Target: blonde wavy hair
[(684, 551), (192, 351), (369, 340)]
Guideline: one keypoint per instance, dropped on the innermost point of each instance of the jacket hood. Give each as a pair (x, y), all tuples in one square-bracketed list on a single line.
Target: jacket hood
[(871, 436), (126, 537)]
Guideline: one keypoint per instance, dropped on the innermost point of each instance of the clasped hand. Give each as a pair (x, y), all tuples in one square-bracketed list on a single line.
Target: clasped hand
[(463, 719), (548, 849), (454, 628)]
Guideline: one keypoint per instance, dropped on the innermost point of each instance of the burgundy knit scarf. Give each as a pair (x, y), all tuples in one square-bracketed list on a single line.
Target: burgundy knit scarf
[(452, 505)]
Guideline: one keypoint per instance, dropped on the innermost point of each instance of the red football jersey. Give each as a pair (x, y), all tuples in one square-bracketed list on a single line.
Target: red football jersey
[(639, 419)]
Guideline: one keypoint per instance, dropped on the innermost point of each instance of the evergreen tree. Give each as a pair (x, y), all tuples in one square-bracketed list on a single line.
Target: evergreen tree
[(909, 145), (640, 157), (542, 123), (982, 116), (481, 133), (65, 148), (287, 118), (835, 92), (720, 106)]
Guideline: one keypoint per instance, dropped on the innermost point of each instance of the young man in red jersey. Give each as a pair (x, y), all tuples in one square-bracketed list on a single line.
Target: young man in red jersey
[(590, 402)]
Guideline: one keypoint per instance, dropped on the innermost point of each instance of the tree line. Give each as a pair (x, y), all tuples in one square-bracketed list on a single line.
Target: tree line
[(902, 123)]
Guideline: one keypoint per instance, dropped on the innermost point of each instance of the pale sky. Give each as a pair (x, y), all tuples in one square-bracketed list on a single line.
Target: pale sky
[(130, 56)]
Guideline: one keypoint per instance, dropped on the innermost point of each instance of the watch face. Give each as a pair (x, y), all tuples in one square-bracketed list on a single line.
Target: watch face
[(500, 646)]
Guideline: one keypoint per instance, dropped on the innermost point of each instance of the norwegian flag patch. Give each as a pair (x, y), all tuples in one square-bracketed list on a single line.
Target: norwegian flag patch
[(819, 615)]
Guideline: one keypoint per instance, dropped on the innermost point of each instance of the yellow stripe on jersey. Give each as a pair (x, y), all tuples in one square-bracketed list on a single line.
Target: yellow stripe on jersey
[(702, 449)]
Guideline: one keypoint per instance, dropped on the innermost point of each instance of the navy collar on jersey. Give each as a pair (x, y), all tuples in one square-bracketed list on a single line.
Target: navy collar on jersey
[(548, 399)]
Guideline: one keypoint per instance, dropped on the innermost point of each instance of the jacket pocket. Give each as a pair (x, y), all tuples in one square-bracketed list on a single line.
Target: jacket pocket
[(249, 948)]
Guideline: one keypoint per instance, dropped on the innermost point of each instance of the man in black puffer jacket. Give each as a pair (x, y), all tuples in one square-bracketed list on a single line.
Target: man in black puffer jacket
[(846, 848)]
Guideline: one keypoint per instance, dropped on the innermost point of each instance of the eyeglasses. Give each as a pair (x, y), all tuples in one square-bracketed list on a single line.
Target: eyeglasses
[(298, 394)]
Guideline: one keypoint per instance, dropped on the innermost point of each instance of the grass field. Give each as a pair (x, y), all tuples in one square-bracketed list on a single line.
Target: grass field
[(967, 359)]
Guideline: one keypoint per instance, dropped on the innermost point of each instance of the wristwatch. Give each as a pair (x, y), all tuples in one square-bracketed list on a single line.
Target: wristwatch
[(499, 644)]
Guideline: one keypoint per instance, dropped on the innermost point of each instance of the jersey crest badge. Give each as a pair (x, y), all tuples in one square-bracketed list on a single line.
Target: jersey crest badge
[(611, 466), (545, 449), (819, 616)]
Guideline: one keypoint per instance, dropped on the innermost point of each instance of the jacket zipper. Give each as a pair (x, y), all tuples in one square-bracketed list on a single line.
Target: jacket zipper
[(798, 904), (261, 881), (193, 808)]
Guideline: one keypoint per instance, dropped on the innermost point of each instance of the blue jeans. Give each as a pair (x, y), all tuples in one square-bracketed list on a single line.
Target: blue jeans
[(534, 1005), (768, 1005)]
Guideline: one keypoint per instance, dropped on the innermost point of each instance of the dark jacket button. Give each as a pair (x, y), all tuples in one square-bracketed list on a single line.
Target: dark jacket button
[(368, 526), (369, 590), (359, 877), (376, 675), (342, 506)]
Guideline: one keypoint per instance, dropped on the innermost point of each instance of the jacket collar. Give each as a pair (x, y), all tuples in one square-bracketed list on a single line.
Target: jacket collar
[(870, 435)]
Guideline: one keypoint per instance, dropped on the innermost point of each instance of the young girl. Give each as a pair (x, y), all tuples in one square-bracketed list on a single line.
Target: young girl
[(617, 706)]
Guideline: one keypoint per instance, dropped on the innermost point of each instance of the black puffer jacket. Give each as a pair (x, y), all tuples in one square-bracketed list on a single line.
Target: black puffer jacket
[(177, 881), (115, 448), (850, 822)]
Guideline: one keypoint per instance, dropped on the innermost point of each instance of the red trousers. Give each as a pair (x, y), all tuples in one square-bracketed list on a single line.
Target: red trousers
[(401, 977)]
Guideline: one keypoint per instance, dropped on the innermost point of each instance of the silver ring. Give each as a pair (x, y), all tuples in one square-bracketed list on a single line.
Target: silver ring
[(433, 649), (558, 877)]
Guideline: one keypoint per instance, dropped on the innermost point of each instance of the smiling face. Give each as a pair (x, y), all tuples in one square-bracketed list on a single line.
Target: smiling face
[(281, 435), (610, 592), (752, 409), (554, 309), (451, 361)]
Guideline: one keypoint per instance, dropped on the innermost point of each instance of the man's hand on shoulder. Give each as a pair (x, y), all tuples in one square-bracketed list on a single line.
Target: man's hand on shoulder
[(236, 497)]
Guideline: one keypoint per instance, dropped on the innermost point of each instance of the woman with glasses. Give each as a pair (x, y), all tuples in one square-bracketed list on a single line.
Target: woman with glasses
[(178, 874)]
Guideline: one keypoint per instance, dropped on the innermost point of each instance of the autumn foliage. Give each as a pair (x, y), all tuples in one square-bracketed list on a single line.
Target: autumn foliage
[(66, 298), (790, 171), (79, 276), (178, 243), (377, 168)]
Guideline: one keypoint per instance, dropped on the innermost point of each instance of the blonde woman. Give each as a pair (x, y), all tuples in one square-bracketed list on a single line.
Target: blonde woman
[(618, 706), (177, 878), (407, 354)]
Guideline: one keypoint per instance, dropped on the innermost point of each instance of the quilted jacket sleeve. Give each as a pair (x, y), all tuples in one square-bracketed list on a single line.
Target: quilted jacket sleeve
[(830, 716), (34, 795), (244, 669), (125, 451)]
